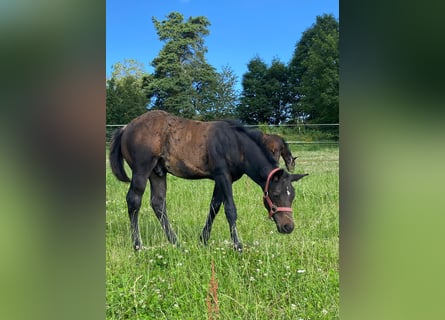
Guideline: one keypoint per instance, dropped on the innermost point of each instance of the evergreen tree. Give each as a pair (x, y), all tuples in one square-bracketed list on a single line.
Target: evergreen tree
[(182, 81)]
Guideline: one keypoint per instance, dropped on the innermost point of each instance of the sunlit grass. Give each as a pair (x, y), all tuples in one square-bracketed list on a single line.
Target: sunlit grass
[(277, 276)]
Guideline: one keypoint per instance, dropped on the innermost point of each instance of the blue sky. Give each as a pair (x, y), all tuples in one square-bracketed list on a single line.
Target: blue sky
[(239, 31)]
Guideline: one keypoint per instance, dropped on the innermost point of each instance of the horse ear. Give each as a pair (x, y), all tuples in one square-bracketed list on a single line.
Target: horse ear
[(294, 158), (296, 177), (277, 176)]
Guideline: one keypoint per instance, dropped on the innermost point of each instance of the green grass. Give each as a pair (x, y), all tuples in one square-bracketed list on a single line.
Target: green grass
[(277, 276)]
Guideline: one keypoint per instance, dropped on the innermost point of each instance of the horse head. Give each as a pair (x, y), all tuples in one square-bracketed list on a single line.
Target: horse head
[(278, 196), (290, 163)]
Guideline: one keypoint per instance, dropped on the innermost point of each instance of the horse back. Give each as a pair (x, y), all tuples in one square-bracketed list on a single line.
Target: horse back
[(180, 144)]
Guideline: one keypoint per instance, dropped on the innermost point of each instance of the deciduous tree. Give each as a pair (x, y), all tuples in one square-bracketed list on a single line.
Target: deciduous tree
[(254, 106), (125, 98), (265, 95), (223, 98), (314, 72)]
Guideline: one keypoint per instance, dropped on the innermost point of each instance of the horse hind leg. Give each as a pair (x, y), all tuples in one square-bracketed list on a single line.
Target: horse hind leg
[(134, 199), (215, 205), (158, 186)]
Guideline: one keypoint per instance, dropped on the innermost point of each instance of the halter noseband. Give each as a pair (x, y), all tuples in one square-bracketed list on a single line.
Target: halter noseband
[(273, 208)]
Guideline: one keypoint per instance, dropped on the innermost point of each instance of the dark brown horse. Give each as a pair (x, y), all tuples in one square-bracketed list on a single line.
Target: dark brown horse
[(156, 143), (276, 144)]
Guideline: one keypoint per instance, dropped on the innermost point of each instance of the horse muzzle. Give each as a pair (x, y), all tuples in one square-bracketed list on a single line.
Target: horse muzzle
[(284, 222), (285, 228)]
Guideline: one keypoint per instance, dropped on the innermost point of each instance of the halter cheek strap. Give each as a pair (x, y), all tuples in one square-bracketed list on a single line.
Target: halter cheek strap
[(273, 208)]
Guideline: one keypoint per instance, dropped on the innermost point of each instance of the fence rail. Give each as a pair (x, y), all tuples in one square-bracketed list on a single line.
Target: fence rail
[(300, 133), (295, 125), (268, 125)]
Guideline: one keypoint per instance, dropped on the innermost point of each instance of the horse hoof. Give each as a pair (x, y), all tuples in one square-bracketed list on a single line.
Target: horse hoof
[(138, 248), (238, 247), (203, 240)]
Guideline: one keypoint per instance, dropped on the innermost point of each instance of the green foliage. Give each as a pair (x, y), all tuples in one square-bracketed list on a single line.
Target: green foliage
[(265, 96), (184, 84), (278, 92), (305, 90), (276, 277), (125, 99), (314, 72), (254, 106), (221, 103), (304, 133), (183, 81)]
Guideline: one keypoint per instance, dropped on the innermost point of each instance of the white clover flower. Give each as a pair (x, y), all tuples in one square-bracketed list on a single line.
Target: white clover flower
[(301, 271)]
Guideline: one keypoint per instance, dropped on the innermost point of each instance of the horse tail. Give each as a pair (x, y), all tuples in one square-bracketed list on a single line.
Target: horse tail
[(116, 157)]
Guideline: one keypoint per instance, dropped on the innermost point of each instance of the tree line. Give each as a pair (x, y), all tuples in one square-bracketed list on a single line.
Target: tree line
[(305, 90)]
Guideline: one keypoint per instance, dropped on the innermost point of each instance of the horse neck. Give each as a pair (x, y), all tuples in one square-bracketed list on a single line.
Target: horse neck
[(285, 153), (258, 166)]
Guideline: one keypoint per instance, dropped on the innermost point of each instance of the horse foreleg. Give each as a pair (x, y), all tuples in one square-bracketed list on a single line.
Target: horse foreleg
[(230, 210), (134, 199), (215, 205), (158, 185), (231, 218)]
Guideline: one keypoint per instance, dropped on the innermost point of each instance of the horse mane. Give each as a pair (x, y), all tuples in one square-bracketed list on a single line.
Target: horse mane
[(255, 135)]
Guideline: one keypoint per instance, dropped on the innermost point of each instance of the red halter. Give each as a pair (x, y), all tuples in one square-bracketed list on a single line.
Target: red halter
[(273, 208)]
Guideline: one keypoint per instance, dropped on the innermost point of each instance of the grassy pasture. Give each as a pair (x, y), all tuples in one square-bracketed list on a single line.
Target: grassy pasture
[(277, 276)]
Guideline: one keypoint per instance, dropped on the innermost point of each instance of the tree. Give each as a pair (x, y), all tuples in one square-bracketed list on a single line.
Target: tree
[(265, 97), (277, 89), (223, 100), (254, 106), (182, 81), (314, 72), (226, 96), (125, 98)]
